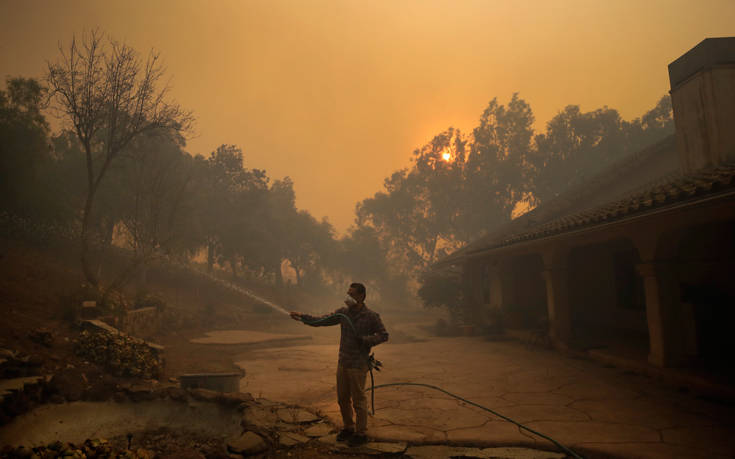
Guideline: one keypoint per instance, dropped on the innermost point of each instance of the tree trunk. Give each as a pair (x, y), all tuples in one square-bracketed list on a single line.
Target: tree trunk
[(279, 276), (210, 256), (123, 278), (298, 274), (87, 268), (233, 266)]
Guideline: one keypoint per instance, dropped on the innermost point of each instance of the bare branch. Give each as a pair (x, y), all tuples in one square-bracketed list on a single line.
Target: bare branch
[(109, 97)]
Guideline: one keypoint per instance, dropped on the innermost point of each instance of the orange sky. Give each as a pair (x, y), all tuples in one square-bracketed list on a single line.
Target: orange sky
[(337, 94)]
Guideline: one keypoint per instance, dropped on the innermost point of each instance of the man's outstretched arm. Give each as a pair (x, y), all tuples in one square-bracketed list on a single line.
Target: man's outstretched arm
[(325, 320)]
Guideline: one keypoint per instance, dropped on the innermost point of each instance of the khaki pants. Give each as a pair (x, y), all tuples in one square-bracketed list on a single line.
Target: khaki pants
[(351, 386)]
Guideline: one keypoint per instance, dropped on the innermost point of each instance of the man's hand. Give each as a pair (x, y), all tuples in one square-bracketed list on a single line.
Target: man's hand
[(295, 315)]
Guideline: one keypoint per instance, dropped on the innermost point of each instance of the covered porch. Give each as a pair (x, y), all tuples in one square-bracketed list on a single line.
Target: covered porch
[(653, 287)]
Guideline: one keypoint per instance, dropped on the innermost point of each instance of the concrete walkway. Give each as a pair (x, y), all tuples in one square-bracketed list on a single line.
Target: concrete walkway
[(597, 410)]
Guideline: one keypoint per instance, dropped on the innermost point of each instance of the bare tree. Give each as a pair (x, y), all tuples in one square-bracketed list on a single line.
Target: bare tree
[(109, 96)]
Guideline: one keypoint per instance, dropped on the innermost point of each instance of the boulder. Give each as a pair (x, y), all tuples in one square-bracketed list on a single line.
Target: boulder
[(247, 444), (290, 439), (176, 393), (235, 398), (318, 430), (141, 392), (296, 416), (259, 417), (205, 395)]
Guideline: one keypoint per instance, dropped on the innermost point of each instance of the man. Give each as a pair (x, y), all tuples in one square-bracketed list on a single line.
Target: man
[(354, 351)]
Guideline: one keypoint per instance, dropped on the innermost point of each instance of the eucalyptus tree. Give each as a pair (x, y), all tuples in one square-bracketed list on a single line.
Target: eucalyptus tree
[(578, 144), (498, 169)]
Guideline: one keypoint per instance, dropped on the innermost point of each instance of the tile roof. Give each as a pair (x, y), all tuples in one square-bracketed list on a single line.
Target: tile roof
[(677, 189)]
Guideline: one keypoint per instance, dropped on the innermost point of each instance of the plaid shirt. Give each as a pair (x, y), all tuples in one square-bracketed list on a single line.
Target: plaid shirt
[(354, 352)]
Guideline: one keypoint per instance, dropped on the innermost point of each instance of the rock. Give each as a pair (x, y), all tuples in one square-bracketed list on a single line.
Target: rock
[(205, 395), (386, 447), (318, 430), (259, 417), (330, 440), (267, 403), (177, 393), (246, 444), (235, 398), (41, 336), (141, 393), (7, 353), (290, 439), (8, 386), (296, 416)]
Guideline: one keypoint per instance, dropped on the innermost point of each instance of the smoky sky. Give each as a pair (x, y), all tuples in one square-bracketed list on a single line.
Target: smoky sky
[(337, 94)]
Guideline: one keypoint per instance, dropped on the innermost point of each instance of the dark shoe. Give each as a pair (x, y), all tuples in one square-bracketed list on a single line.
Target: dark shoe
[(344, 435), (357, 440)]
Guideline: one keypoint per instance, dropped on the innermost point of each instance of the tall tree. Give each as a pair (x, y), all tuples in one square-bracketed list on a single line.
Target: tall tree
[(577, 144), (24, 144), (498, 164), (416, 214), (109, 96)]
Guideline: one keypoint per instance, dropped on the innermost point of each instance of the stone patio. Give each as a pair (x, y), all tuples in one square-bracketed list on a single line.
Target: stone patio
[(592, 408)]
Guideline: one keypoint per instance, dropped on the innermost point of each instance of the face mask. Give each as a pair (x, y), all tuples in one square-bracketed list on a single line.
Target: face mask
[(350, 301)]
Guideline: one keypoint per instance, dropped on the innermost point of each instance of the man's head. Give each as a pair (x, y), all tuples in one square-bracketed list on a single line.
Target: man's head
[(357, 291)]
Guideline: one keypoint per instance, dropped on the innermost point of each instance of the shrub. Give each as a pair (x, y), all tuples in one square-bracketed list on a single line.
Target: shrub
[(120, 355)]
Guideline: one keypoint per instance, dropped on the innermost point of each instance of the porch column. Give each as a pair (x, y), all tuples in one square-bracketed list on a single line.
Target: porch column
[(666, 344), (558, 303), (471, 290), (498, 292)]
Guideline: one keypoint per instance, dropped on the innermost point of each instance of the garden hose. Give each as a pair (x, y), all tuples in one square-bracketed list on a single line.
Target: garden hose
[(375, 363)]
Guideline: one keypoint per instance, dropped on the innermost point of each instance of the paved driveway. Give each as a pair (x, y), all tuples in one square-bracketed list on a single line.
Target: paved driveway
[(598, 410)]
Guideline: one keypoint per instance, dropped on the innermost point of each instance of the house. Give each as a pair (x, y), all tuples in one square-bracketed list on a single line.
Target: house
[(641, 257)]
